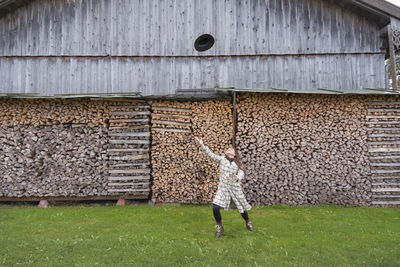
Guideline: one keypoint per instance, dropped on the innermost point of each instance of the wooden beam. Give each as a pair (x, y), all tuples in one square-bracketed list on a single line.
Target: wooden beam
[(234, 116), (392, 59), (113, 197)]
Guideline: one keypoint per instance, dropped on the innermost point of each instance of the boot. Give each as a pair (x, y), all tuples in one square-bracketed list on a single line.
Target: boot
[(249, 226), (220, 230)]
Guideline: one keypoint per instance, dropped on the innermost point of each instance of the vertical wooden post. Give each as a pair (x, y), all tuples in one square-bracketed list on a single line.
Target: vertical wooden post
[(234, 119), (392, 59)]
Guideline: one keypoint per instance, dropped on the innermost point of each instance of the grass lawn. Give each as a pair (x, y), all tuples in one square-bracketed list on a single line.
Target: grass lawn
[(184, 236)]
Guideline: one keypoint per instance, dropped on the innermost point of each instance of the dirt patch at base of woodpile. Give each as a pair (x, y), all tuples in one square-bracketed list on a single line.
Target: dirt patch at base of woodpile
[(181, 172), (304, 149), (52, 148)]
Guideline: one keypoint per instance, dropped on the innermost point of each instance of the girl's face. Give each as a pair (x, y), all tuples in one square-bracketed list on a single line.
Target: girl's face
[(230, 153)]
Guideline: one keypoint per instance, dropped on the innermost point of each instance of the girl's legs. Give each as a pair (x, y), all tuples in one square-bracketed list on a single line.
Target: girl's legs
[(245, 216), (217, 213)]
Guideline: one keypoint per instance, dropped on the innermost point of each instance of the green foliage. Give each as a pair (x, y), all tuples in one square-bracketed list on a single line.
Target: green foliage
[(184, 236)]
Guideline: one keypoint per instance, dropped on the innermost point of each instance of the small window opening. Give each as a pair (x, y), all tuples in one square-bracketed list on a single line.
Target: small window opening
[(204, 42)]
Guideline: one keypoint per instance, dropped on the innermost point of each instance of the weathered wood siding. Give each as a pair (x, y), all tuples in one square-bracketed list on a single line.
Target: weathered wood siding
[(163, 75), (169, 28), (60, 47)]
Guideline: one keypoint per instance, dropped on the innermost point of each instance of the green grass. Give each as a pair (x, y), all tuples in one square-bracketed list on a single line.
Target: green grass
[(184, 236)]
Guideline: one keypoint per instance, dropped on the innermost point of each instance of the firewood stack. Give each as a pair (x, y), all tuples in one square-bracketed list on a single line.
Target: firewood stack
[(53, 148), (181, 172), (304, 149)]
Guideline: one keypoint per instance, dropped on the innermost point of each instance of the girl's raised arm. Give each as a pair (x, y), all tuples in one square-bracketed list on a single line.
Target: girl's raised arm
[(208, 151)]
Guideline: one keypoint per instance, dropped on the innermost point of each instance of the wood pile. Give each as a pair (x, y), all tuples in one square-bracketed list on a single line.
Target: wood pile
[(53, 148), (129, 148), (41, 112), (304, 149), (181, 172)]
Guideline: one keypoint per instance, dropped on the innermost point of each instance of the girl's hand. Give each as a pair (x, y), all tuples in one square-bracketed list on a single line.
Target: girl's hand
[(199, 140)]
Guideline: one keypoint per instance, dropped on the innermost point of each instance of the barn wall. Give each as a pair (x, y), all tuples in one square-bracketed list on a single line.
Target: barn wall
[(61, 47), (169, 28), (163, 76)]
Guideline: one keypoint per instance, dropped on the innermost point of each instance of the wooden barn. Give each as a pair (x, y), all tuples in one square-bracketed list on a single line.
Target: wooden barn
[(101, 99)]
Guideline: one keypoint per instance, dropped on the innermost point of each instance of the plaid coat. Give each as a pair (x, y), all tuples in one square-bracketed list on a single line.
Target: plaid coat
[(227, 188)]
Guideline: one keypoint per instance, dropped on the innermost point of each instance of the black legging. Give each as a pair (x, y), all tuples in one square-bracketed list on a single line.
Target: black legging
[(217, 214)]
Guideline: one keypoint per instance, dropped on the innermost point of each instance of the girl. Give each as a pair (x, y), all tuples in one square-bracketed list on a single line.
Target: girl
[(231, 173)]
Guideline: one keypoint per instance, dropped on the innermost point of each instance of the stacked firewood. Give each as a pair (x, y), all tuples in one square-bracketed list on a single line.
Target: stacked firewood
[(304, 149), (53, 148), (181, 172), (41, 112)]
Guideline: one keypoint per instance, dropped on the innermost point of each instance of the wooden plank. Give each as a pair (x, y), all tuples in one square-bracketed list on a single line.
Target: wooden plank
[(385, 164), (131, 134), (129, 113), (382, 117), (143, 171), (384, 171), (385, 196), (171, 123), (127, 184), (144, 164), (384, 110), (127, 150), (386, 129), (111, 197), (129, 106), (172, 116), (130, 157), (388, 157), (393, 189), (387, 135), (385, 177), (383, 122), (171, 130), (128, 190), (137, 142), (129, 127), (172, 109), (386, 184), (383, 149), (386, 202), (128, 120), (128, 178), (383, 103), (378, 143)]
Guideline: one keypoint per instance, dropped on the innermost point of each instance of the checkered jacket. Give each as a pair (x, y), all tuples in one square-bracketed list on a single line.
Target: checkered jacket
[(228, 189)]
